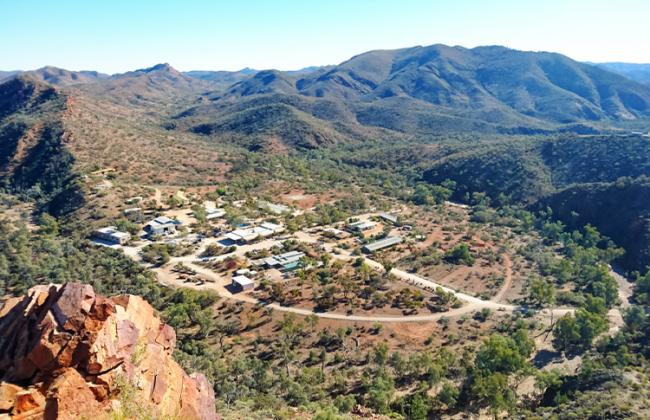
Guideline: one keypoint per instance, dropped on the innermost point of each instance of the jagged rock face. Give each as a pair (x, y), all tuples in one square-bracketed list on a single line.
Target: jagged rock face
[(67, 353)]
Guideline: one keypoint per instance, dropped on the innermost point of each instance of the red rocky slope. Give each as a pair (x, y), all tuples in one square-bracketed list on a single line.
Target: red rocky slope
[(67, 353)]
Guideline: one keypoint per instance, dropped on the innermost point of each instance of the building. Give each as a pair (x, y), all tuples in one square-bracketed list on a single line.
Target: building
[(214, 213), (132, 210), (289, 257), (287, 261), (335, 233), (112, 235), (382, 244), (242, 283), (242, 235), (162, 226), (273, 227), (134, 213), (390, 218), (248, 235), (273, 208), (294, 265), (365, 228)]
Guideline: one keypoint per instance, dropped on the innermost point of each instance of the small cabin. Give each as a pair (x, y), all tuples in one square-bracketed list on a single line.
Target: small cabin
[(242, 283)]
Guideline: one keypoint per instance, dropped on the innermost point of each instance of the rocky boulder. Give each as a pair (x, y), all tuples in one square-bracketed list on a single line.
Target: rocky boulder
[(68, 353)]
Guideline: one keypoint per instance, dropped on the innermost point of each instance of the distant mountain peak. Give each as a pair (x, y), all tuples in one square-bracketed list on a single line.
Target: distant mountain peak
[(248, 70), (162, 67)]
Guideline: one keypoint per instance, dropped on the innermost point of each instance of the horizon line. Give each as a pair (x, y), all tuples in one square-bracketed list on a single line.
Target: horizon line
[(247, 68)]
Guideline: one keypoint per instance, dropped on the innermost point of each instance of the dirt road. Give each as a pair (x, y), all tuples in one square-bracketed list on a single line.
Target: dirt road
[(219, 284), (615, 315), (507, 263)]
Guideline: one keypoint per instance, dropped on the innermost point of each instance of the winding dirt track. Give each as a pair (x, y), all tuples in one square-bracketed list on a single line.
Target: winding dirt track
[(472, 303), (218, 284)]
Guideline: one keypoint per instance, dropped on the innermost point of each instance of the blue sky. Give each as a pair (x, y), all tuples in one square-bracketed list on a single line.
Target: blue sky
[(118, 35)]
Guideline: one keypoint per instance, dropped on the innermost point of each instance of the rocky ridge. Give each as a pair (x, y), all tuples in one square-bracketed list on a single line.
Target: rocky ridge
[(66, 352)]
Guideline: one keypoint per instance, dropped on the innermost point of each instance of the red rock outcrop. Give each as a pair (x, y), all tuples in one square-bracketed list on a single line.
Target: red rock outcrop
[(68, 353)]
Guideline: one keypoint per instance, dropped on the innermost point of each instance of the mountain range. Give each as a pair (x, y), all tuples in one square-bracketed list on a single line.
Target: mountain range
[(420, 90), (160, 126), (425, 90)]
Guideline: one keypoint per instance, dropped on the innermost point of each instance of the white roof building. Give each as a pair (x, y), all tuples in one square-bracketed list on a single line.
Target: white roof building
[(249, 234), (272, 226), (212, 211), (245, 235), (382, 243), (288, 257), (243, 282), (162, 225), (362, 225), (163, 220), (111, 234), (392, 218), (284, 259)]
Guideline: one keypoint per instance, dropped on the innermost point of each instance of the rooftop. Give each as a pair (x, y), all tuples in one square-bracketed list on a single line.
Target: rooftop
[(284, 259), (164, 220), (112, 230), (239, 234), (270, 226), (289, 257), (389, 217), (362, 225), (265, 229), (242, 280), (383, 243)]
